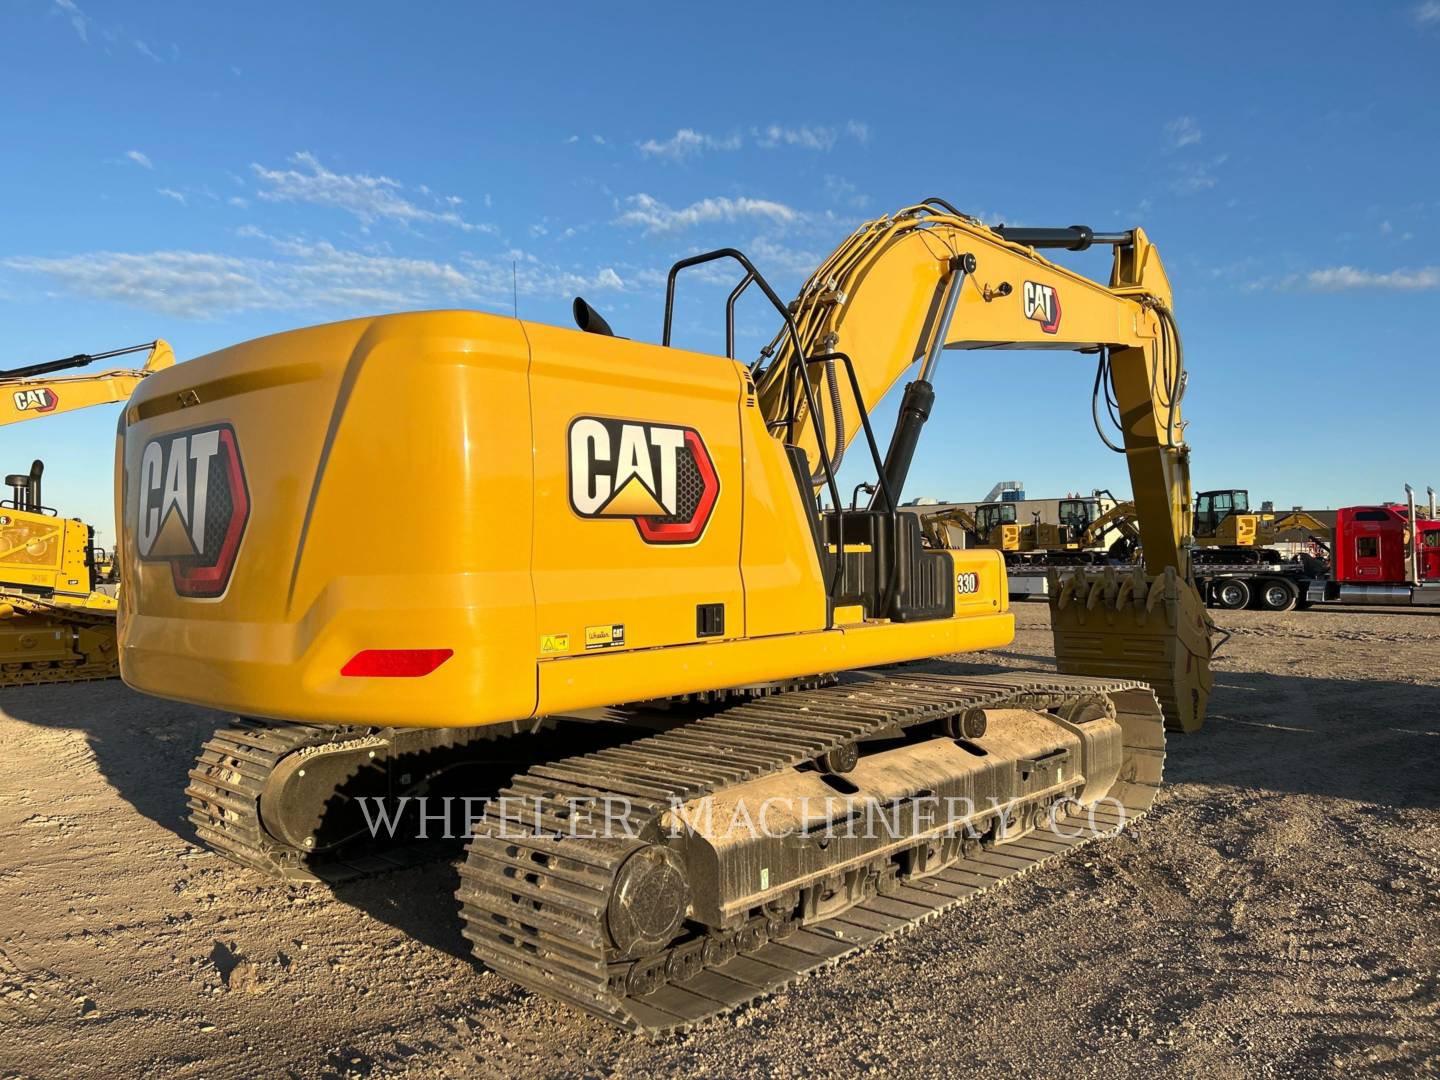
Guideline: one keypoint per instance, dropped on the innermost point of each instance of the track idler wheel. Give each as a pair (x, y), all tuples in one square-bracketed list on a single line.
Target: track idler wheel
[(648, 901)]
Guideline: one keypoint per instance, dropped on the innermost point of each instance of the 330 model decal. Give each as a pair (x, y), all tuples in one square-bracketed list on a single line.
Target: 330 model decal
[(191, 507), (1042, 304), (658, 475)]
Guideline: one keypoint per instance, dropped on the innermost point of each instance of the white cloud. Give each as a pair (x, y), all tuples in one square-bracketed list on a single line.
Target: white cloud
[(368, 198), (185, 284), (654, 216), (297, 274), (1347, 278), (498, 279), (687, 142), (1197, 176), (143, 160), (1427, 14), (806, 138), (77, 17), (146, 51), (1183, 132), (810, 137), (844, 193), (171, 193), (775, 259)]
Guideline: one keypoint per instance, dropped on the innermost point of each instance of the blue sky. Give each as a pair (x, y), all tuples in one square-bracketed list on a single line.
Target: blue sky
[(209, 173)]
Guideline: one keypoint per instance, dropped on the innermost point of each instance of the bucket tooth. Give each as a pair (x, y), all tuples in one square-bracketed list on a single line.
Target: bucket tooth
[(1127, 624)]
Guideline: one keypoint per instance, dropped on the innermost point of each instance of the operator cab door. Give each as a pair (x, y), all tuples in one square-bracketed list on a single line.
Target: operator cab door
[(1369, 553), (638, 487)]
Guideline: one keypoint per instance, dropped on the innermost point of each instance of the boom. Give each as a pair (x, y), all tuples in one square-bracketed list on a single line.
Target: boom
[(927, 280), (29, 396), (879, 296)]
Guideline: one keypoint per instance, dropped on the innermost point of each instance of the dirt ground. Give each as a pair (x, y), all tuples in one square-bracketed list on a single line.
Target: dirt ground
[(1275, 914)]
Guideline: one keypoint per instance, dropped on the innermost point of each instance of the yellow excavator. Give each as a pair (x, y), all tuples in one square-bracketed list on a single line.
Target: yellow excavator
[(57, 612), (586, 522), (1223, 519), (1113, 534), (993, 525)]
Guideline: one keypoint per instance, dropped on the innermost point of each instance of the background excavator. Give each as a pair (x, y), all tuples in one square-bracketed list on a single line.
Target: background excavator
[(57, 603), (1223, 519), (596, 523), (994, 525)]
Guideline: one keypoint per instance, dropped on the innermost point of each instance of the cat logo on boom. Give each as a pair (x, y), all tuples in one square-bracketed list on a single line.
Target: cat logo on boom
[(36, 399), (191, 507), (1042, 304), (657, 475)]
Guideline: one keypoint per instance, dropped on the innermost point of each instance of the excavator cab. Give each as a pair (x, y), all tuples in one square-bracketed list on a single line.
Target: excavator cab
[(1213, 507), (990, 515), (1076, 515)]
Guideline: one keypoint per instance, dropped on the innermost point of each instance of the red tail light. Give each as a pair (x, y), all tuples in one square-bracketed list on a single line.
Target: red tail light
[(395, 663)]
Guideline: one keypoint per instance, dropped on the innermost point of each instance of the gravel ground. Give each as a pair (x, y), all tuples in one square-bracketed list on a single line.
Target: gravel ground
[(1273, 915)]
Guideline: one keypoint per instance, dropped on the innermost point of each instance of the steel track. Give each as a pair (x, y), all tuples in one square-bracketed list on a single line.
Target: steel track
[(534, 900)]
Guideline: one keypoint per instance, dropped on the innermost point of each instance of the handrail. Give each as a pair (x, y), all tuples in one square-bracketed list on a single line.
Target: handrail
[(892, 509), (798, 361)]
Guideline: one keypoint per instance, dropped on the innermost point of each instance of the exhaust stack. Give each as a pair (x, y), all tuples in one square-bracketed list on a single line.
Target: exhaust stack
[(25, 487), (590, 320), (1414, 537)]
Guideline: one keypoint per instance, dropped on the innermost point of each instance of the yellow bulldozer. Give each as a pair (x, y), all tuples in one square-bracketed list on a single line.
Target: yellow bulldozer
[(57, 603), (591, 522)]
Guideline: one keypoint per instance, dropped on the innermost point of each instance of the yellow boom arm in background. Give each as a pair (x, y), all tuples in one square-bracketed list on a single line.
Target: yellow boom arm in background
[(27, 394), (927, 281)]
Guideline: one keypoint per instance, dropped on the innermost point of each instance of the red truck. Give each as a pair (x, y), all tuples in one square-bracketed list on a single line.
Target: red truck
[(1381, 555), (1375, 557)]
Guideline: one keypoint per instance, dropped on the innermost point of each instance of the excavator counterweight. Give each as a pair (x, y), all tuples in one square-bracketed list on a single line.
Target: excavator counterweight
[(593, 523)]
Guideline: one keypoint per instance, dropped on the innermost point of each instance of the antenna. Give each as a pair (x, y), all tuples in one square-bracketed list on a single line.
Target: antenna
[(514, 289)]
